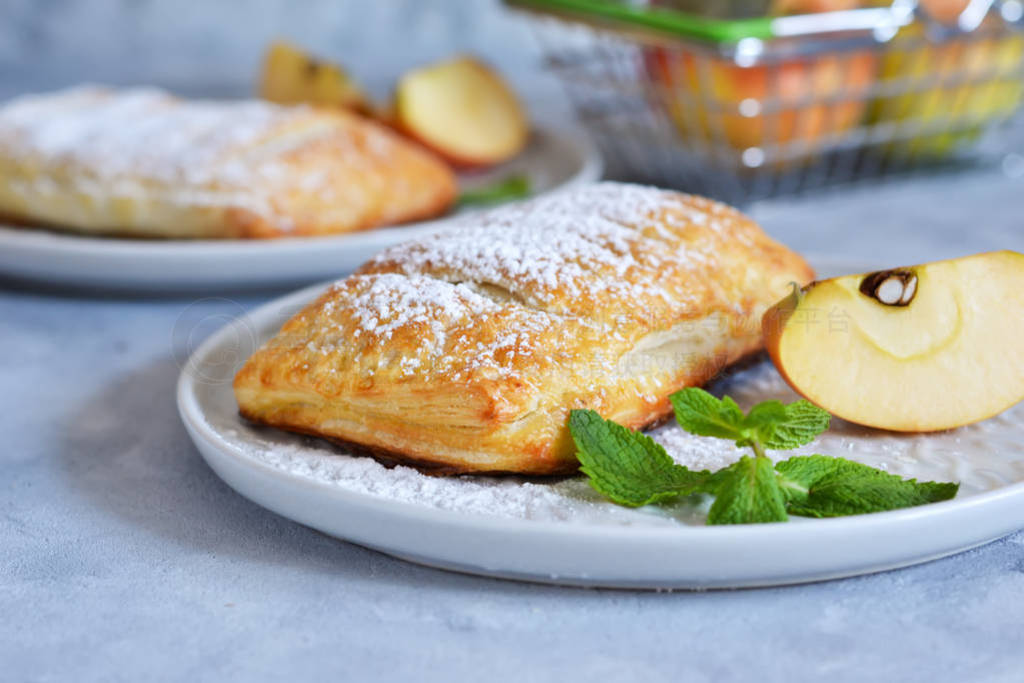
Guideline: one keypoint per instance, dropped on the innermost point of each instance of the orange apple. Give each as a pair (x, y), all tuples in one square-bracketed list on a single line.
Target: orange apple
[(463, 110), (922, 348), (953, 88), (738, 9), (813, 6), (945, 11), (792, 101)]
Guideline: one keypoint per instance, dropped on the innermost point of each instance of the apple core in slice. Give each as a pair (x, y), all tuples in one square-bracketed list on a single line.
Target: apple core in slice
[(923, 348)]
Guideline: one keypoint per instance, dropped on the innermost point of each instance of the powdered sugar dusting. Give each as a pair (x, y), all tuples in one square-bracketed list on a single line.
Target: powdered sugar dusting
[(139, 132), (983, 457), (549, 292), (222, 154), (394, 301), (441, 327), (517, 292), (559, 252)]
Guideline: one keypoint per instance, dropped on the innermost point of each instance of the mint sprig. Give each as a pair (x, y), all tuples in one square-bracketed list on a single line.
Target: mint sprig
[(820, 486), (628, 467), (515, 186), (770, 424), (748, 492), (632, 469)]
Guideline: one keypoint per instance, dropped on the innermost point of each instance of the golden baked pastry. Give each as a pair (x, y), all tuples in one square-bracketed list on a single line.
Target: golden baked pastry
[(141, 162), (466, 350)]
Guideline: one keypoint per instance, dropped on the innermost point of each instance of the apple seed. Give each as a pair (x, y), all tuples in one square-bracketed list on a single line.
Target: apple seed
[(895, 287)]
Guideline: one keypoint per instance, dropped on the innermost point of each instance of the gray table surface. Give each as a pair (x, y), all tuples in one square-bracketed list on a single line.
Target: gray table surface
[(122, 556)]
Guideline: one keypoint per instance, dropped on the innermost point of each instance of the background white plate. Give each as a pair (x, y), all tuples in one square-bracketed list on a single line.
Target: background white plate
[(560, 531), (553, 160)]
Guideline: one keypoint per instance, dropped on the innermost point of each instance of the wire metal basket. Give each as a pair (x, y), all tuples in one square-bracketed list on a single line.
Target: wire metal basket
[(825, 99)]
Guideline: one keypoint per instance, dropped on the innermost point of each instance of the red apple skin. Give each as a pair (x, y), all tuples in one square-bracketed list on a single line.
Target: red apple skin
[(772, 324), (945, 11), (813, 6)]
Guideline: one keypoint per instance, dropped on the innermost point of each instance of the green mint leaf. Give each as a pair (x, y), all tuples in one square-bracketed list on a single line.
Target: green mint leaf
[(747, 492), (779, 426), (513, 187), (770, 424), (822, 486), (700, 413), (626, 466)]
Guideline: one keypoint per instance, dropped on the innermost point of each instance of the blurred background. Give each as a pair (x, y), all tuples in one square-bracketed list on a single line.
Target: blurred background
[(214, 47), (738, 99)]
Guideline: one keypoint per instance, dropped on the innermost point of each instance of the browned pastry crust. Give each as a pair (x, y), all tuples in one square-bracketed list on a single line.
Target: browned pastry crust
[(146, 164), (467, 349)]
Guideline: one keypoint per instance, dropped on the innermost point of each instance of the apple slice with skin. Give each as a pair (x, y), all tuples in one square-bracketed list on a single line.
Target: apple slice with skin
[(290, 76), (914, 349), (463, 110)]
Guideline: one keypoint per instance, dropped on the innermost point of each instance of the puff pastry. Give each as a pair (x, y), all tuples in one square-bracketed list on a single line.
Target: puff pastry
[(144, 163), (465, 350)]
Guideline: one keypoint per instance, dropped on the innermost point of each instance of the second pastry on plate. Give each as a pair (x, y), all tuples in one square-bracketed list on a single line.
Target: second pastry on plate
[(144, 163)]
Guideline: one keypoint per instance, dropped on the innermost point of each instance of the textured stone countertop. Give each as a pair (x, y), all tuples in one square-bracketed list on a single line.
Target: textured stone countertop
[(122, 556)]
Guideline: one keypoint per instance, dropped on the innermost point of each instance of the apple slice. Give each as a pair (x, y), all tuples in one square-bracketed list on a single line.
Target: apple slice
[(915, 349), (463, 110), (290, 76)]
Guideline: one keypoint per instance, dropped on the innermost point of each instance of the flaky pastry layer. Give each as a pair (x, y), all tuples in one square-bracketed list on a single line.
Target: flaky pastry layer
[(141, 162), (467, 349)]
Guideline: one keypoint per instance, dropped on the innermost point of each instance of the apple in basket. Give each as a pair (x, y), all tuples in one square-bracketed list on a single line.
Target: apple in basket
[(950, 89), (799, 100)]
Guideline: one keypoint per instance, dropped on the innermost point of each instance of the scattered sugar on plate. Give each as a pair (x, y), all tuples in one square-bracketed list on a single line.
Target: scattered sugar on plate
[(995, 460)]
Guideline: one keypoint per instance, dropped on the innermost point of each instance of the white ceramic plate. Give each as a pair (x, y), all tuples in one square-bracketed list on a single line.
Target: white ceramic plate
[(553, 160), (560, 531)]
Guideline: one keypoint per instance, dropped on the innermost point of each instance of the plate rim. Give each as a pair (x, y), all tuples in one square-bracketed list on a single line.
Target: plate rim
[(96, 252), (589, 171), (191, 414)]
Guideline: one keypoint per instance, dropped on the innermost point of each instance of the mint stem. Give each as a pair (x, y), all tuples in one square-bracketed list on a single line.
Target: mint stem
[(758, 448), (507, 189)]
